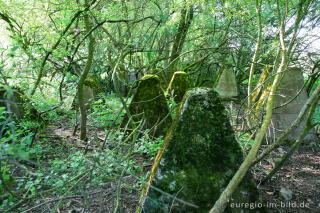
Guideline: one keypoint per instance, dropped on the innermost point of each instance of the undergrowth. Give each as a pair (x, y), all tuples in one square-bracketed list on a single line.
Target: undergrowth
[(46, 167)]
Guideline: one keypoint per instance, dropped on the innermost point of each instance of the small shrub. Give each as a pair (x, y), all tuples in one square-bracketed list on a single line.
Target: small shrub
[(105, 111), (147, 146)]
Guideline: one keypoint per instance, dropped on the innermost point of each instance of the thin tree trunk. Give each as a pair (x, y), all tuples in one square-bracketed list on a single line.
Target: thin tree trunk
[(184, 24), (224, 198), (256, 52), (298, 141), (294, 125), (83, 109), (40, 74)]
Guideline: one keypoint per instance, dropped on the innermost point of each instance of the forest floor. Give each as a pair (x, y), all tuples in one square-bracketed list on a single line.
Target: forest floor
[(100, 198), (301, 175)]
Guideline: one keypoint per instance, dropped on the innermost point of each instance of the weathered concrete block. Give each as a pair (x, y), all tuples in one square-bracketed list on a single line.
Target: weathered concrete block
[(198, 158), (93, 83), (88, 95), (179, 84), (150, 104), (91, 91), (227, 84), (15, 101), (282, 117)]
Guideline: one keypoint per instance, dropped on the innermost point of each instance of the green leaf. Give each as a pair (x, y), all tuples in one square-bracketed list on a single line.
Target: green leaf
[(13, 49)]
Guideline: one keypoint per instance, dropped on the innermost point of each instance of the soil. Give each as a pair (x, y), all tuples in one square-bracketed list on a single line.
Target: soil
[(96, 199), (301, 175)]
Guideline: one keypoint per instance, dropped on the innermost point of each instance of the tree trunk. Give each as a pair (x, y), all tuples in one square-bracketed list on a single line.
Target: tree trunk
[(224, 198), (256, 52), (83, 109), (184, 24)]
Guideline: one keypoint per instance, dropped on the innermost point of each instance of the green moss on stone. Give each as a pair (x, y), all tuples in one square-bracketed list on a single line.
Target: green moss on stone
[(93, 82), (149, 103), (179, 84), (20, 105), (92, 89), (197, 158)]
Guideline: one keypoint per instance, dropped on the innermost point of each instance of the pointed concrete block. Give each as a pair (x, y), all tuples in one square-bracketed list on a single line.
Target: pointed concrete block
[(291, 102), (197, 160), (150, 104), (227, 84), (179, 84)]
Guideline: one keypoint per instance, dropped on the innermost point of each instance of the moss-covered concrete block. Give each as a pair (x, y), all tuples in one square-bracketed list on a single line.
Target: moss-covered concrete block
[(198, 158), (93, 82), (16, 102), (179, 84), (91, 91), (150, 104)]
